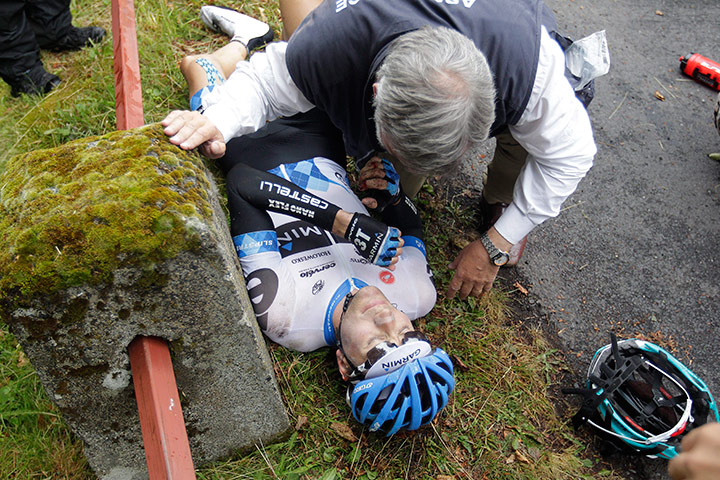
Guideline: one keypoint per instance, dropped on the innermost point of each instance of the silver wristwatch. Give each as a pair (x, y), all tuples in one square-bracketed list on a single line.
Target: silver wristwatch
[(497, 256)]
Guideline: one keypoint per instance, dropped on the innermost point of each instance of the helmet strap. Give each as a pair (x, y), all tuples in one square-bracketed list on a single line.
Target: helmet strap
[(593, 397)]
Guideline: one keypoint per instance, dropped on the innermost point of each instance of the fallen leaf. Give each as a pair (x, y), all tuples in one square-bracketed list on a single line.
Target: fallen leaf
[(301, 422), (659, 12), (22, 359), (460, 242), (459, 364), (659, 96), (520, 288), (714, 156), (510, 459), (344, 431), (534, 453), (445, 477), (521, 458)]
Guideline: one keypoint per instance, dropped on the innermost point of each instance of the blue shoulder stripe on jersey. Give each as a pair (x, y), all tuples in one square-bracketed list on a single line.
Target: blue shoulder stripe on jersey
[(411, 241), (338, 296), (255, 242), (305, 174)]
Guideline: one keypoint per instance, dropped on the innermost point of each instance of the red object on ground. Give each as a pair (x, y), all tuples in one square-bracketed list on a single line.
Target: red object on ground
[(167, 449), (702, 69), (164, 435), (128, 92)]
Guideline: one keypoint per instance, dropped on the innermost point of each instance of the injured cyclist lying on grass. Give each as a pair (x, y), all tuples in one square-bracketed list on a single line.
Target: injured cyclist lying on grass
[(320, 271)]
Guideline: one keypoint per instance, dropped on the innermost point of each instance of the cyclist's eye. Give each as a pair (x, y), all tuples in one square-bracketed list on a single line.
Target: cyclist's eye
[(414, 335), (375, 354)]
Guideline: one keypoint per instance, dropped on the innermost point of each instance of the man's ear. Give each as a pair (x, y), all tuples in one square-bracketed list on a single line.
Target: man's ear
[(343, 365), (375, 87)]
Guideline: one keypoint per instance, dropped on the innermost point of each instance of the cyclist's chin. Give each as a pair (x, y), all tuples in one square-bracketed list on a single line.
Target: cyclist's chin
[(366, 297)]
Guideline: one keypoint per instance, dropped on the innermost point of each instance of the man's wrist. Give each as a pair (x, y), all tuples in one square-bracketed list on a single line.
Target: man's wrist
[(497, 255), (498, 240), (341, 222)]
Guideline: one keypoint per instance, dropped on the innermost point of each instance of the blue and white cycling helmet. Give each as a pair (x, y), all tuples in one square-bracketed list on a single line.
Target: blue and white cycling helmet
[(399, 386), (642, 399), (406, 397)]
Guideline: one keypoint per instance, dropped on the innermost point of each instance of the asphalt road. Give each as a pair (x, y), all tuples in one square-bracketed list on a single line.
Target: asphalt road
[(636, 247)]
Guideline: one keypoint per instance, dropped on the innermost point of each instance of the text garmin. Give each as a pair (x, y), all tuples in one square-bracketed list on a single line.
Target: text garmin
[(401, 361)]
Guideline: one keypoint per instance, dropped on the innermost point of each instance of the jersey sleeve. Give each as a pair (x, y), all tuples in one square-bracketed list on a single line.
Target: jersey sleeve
[(555, 130), (252, 193), (404, 215), (259, 90)]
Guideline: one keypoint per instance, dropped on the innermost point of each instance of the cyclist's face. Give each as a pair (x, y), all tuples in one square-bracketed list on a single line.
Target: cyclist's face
[(369, 320)]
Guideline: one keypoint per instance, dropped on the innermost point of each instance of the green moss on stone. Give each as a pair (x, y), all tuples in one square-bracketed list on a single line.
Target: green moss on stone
[(74, 214)]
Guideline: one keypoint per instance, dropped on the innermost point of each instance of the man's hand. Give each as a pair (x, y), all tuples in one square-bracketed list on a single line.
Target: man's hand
[(189, 130), (700, 457), (379, 178), (474, 274)]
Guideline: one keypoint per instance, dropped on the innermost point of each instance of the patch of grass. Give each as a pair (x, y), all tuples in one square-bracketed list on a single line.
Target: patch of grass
[(34, 441), (500, 422)]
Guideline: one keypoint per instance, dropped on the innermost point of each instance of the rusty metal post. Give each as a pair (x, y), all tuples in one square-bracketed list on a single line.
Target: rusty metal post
[(167, 449)]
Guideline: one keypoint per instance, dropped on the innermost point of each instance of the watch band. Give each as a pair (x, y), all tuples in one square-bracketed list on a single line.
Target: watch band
[(497, 257)]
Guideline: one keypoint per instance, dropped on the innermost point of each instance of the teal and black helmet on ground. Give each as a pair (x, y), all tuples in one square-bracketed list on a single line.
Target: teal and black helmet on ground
[(642, 399)]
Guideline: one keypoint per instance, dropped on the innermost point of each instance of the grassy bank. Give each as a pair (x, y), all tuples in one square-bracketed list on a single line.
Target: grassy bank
[(500, 422)]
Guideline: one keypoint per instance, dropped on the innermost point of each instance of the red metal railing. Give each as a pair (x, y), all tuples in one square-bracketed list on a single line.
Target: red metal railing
[(167, 449)]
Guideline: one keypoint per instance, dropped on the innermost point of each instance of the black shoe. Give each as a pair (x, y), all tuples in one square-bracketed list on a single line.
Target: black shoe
[(78, 38), (488, 214), (35, 81)]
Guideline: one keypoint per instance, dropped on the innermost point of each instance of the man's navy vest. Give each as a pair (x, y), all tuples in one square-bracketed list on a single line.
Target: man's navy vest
[(334, 54)]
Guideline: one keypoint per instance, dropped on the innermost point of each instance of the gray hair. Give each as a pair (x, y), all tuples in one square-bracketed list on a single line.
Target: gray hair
[(435, 99)]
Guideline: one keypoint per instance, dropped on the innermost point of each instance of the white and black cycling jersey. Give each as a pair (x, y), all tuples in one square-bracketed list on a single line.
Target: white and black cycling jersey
[(297, 272)]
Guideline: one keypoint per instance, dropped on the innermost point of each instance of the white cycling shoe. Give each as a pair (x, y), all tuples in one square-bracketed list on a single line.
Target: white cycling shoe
[(250, 32)]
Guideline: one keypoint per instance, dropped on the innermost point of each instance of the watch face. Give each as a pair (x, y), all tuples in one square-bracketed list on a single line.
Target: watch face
[(501, 260)]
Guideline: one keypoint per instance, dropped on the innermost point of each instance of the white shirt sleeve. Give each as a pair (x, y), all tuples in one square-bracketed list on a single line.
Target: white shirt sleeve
[(556, 132), (259, 90)]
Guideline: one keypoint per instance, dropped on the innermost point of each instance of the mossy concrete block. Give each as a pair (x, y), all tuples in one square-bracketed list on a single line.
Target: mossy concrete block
[(108, 238)]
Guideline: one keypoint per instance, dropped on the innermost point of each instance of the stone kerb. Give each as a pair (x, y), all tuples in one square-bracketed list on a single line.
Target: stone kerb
[(112, 237)]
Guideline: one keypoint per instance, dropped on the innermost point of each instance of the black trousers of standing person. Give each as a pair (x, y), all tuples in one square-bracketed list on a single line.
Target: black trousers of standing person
[(26, 26)]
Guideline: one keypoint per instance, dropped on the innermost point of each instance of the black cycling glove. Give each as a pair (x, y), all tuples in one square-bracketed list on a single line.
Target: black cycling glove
[(390, 195), (372, 239)]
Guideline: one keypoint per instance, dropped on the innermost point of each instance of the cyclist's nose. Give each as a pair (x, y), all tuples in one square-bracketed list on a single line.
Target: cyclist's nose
[(393, 337), (384, 316)]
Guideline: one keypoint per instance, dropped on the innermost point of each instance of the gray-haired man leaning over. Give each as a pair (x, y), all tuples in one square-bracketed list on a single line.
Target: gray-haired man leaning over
[(424, 82)]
